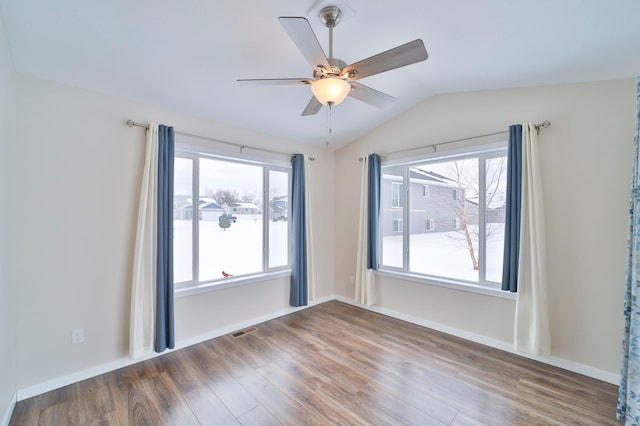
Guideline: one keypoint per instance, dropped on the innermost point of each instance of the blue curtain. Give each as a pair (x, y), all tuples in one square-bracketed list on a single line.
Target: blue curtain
[(373, 211), (512, 210), (299, 286), (165, 337), (629, 392)]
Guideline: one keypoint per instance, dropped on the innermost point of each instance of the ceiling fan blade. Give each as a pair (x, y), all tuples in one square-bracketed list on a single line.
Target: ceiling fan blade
[(312, 107), (275, 81), (303, 36), (407, 54), (370, 96)]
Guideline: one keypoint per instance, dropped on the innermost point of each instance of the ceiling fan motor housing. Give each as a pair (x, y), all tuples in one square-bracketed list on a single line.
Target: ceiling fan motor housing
[(336, 69)]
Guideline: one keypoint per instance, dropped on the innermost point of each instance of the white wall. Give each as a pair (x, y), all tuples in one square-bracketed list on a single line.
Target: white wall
[(7, 302), (76, 161), (586, 160), (77, 180)]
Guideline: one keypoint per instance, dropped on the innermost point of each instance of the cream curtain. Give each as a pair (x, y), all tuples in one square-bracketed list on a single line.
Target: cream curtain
[(531, 330), (365, 277), (142, 325)]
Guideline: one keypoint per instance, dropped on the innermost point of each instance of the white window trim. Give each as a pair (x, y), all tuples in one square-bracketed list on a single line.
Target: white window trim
[(442, 282), (187, 288), (229, 282), (488, 287)]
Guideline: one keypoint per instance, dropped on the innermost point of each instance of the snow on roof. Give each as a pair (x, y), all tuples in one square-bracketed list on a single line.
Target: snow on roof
[(244, 205), (210, 206)]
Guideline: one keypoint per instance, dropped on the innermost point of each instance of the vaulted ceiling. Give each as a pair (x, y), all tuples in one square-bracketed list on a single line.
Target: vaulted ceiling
[(186, 56)]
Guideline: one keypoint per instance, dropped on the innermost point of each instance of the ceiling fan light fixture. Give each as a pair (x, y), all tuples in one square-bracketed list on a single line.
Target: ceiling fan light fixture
[(331, 90)]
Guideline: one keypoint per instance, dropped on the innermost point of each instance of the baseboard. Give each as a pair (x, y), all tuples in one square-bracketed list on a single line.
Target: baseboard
[(12, 405), (124, 362), (575, 367)]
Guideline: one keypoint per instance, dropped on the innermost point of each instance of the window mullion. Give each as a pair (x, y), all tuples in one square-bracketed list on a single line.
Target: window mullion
[(265, 218), (482, 222), (406, 225), (195, 221)]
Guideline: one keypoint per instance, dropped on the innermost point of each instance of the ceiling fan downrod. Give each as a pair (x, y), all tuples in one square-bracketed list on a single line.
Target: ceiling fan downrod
[(330, 16)]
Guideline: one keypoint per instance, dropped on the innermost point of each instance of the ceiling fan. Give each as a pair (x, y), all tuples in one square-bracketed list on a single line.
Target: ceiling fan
[(333, 80)]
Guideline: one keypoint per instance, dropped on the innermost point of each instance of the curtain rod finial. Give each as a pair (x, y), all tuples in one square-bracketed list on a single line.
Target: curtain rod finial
[(130, 123), (545, 124)]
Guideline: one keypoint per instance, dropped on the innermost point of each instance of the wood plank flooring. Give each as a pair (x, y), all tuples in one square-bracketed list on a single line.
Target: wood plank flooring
[(332, 364)]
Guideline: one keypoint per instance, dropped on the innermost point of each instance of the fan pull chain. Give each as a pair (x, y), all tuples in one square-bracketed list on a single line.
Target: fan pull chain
[(329, 122)]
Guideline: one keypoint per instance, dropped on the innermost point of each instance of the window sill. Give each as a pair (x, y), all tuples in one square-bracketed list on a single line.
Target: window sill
[(452, 284), (229, 282)]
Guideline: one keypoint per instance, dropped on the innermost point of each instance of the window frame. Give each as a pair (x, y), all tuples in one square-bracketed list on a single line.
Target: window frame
[(483, 153), (195, 285)]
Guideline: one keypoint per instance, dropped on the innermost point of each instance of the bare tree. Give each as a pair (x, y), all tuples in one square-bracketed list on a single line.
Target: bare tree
[(464, 176), (495, 178), (222, 196), (465, 190)]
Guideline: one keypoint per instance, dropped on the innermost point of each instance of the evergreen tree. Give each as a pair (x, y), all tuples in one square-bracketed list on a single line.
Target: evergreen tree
[(224, 221)]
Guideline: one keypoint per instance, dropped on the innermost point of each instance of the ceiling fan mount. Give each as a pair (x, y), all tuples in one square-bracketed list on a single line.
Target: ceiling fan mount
[(333, 80), (330, 16)]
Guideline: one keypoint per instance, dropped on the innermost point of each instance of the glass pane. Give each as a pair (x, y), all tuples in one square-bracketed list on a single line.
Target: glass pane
[(278, 218), (443, 228), (230, 213), (391, 216), (182, 224), (496, 188)]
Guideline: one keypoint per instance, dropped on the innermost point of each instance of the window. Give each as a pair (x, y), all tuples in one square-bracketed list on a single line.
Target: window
[(397, 225), (397, 195), (466, 200), (431, 225), (425, 190), (234, 231)]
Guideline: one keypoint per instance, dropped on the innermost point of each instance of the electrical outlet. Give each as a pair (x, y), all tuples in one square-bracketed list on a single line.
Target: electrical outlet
[(77, 335)]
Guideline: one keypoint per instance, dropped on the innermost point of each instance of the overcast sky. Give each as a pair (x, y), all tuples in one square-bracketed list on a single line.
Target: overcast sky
[(215, 175)]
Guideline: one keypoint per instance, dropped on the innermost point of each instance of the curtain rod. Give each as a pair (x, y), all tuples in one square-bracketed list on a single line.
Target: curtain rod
[(545, 124), (132, 123)]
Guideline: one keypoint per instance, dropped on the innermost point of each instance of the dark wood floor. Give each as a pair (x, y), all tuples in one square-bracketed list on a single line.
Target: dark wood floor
[(332, 364)]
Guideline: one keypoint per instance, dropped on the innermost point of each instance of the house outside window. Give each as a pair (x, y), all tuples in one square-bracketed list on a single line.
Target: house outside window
[(241, 227), (456, 233)]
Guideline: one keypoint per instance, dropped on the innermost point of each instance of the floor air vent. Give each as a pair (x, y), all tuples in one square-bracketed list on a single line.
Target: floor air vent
[(243, 332)]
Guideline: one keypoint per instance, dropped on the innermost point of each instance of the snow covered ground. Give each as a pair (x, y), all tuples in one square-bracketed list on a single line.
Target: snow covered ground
[(445, 254), (237, 250)]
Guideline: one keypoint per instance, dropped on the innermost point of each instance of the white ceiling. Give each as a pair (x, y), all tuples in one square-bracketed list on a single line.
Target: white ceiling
[(185, 55)]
